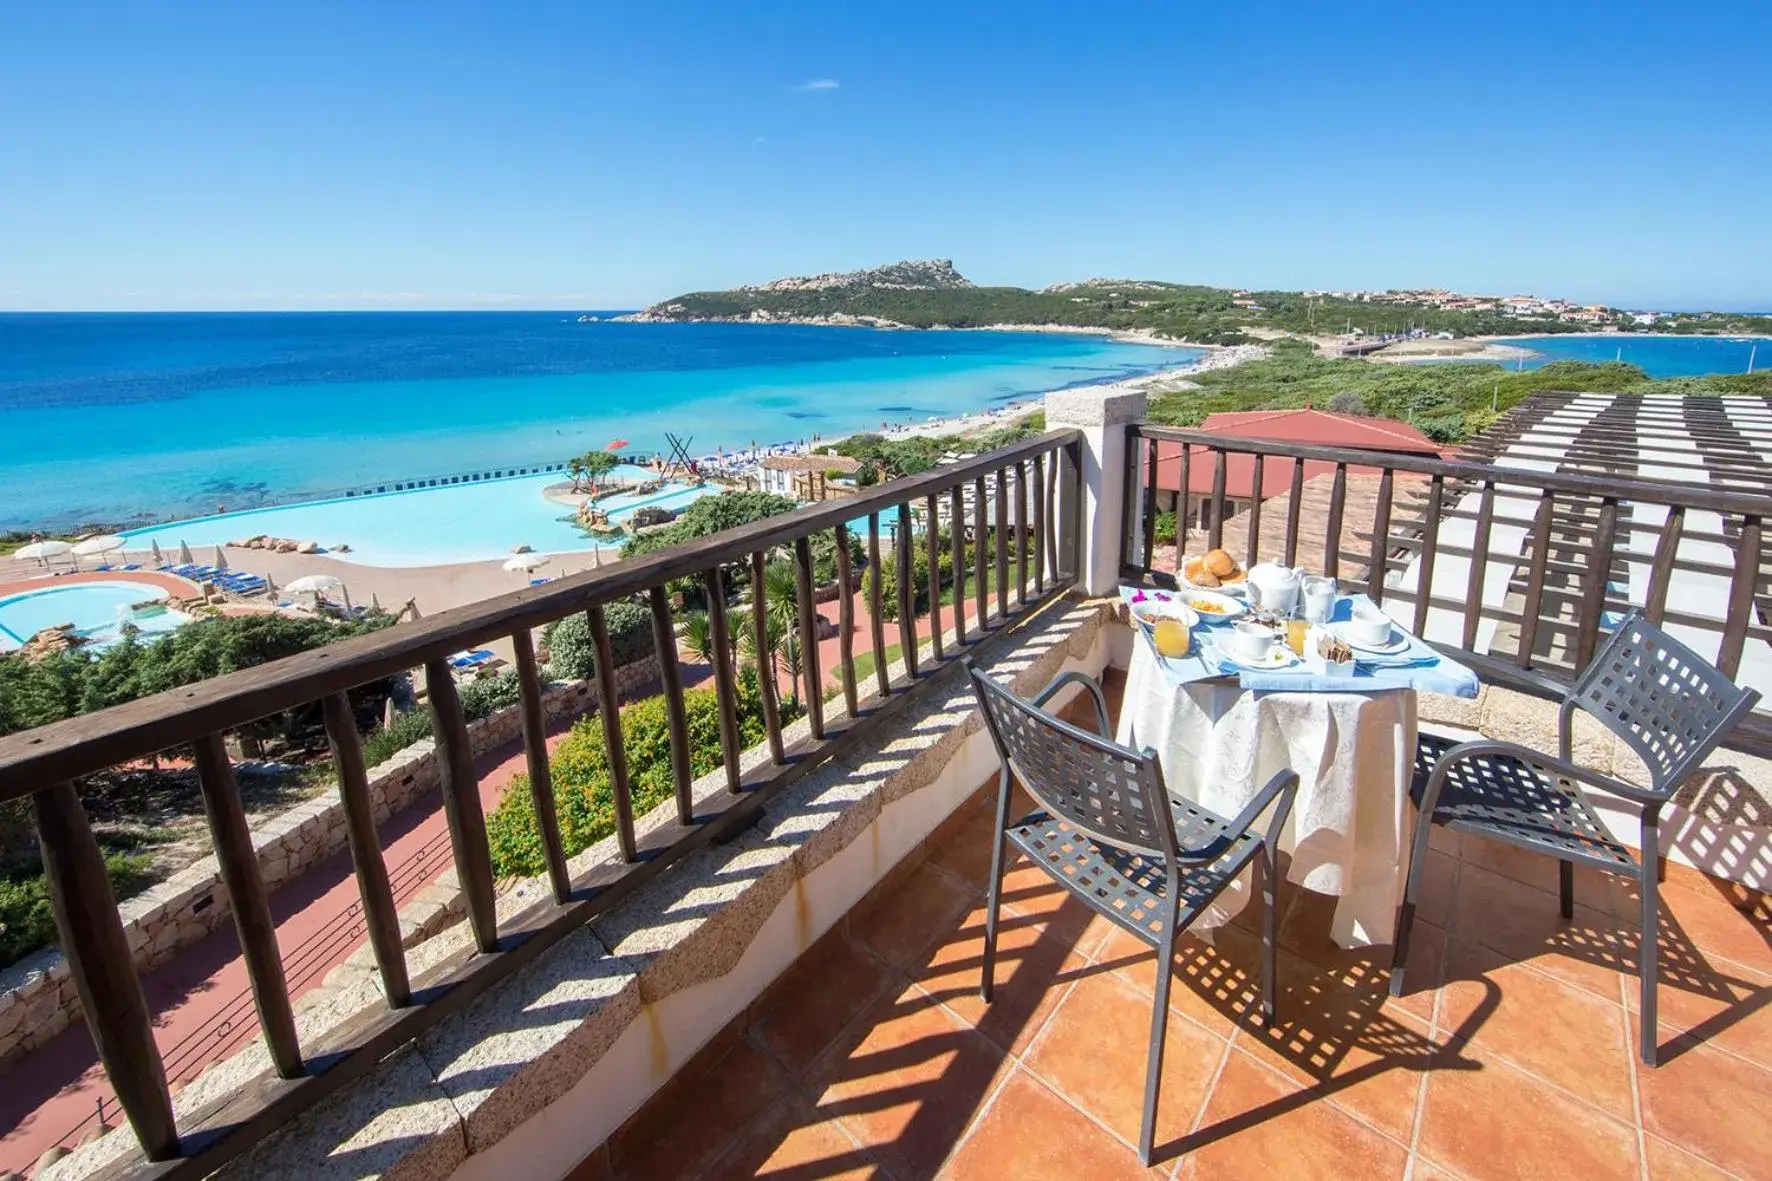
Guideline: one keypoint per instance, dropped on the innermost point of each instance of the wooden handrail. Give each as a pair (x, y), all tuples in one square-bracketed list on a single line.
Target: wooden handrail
[(91, 742)]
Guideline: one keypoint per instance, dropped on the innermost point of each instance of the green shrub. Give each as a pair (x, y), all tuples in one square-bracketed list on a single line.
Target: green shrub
[(486, 696), (580, 771), (572, 655), (26, 920), (1165, 528)]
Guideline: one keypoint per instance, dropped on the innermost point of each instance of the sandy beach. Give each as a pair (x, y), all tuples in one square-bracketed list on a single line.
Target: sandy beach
[(1469, 349)]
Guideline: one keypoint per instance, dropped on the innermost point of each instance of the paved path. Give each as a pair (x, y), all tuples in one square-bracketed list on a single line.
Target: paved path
[(201, 1000)]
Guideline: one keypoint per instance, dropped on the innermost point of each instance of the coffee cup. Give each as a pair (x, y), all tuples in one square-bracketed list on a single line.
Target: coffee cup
[(1371, 626), (1249, 641)]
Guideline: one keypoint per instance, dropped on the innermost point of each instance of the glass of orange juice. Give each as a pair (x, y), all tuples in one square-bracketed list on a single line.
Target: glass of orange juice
[(1171, 637), (1297, 634)]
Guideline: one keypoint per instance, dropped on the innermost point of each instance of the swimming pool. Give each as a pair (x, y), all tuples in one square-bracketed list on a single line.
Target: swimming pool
[(96, 609), (472, 522)]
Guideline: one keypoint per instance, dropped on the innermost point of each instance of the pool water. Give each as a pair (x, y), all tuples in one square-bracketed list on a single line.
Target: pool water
[(96, 609), (472, 522)]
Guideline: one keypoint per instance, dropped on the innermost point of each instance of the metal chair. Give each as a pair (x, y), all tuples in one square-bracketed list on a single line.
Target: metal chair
[(1108, 831), (1665, 702)]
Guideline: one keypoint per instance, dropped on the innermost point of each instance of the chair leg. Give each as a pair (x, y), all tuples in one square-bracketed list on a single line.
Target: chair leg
[(1647, 950), (998, 852), (1406, 912), (1265, 874), (1153, 1069), (1566, 887)]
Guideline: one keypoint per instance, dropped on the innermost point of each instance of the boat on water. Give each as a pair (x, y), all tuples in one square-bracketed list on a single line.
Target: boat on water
[(588, 318)]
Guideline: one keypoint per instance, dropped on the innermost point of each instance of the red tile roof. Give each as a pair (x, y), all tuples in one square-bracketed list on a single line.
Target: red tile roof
[(1319, 427)]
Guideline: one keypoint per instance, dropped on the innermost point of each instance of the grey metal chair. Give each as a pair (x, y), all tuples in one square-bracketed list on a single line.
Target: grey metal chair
[(1107, 830), (1665, 702)]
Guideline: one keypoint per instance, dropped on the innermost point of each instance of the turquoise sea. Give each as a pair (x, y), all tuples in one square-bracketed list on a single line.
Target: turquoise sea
[(1658, 356), (125, 418)]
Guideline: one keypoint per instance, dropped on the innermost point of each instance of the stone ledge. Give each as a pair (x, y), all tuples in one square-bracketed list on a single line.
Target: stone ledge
[(691, 941)]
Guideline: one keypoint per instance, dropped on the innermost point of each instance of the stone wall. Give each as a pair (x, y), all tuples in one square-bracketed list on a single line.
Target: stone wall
[(37, 996)]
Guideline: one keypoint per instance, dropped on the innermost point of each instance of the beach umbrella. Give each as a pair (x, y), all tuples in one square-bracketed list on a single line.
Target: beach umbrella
[(104, 543), (221, 559), (616, 445), (374, 601), (525, 563), (44, 550), (184, 555), (154, 548), (412, 608), (270, 588)]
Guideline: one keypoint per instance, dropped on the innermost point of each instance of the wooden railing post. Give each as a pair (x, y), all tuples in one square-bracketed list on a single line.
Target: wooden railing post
[(981, 540), (535, 752), (1381, 533), (1667, 548), (379, 915), (609, 714), (1149, 500), (931, 507), (904, 552), (461, 803), (846, 624), (1071, 520), (1741, 597), (1430, 548), (1473, 599), (876, 607), (1215, 528), (1533, 605), (102, 968), (1599, 573), (1130, 529), (1021, 534), (725, 682), (1184, 513), (670, 683), (238, 862), (809, 636), (1255, 513), (1039, 525), (1002, 546), (1294, 510), (765, 662), (1332, 530)]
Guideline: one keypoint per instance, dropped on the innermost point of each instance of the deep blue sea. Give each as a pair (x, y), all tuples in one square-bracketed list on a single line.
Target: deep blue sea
[(125, 417), (1658, 356)]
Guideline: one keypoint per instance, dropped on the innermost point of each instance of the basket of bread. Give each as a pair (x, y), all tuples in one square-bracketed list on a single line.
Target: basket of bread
[(1212, 570)]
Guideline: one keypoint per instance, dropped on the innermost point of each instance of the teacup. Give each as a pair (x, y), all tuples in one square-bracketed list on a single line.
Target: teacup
[(1249, 641), (1370, 626)]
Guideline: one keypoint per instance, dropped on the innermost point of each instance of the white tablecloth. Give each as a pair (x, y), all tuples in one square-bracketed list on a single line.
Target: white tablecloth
[(1350, 829)]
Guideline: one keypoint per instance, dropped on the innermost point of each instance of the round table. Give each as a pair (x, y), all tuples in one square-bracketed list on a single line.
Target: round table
[(1350, 828)]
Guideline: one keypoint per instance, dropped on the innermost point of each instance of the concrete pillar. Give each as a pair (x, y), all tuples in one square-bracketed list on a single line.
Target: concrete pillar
[(1101, 413)]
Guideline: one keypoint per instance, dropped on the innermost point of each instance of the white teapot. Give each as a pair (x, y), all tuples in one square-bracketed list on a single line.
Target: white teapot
[(1274, 587)]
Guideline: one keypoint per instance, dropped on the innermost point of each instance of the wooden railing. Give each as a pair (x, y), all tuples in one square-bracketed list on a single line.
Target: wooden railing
[(1039, 476), (1543, 561)]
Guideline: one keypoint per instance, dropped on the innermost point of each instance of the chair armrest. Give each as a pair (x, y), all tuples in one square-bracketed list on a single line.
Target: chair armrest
[(1560, 767), (1077, 678), (1283, 786)]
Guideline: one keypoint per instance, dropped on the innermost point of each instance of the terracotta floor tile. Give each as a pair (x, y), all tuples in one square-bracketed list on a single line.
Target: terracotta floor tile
[(1094, 1051), (1717, 923), (967, 852), (1033, 972), (1256, 1127), (1525, 925), (907, 919), (1216, 983), (1592, 888), (910, 1082), (1728, 1006), (1032, 893), (1543, 1025), (1031, 1134), (791, 1140), (690, 1124), (1496, 1122), (1710, 1103), (1668, 1163), (1345, 1045), (826, 989)]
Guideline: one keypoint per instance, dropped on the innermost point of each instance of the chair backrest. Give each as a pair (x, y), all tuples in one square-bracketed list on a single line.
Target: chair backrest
[(1669, 705), (1111, 792)]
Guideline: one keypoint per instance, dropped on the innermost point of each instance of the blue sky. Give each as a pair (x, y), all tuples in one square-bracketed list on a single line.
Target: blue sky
[(325, 154)]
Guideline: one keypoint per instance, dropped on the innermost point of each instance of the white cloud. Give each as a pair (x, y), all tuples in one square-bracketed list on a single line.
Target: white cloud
[(817, 84)]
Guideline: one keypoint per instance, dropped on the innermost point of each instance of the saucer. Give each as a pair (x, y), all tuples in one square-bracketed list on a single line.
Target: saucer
[(1398, 643)]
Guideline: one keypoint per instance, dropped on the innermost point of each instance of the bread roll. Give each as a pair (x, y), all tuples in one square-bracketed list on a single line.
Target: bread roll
[(1220, 563)]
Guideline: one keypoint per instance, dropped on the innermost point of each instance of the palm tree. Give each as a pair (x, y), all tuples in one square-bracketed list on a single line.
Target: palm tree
[(575, 467), (698, 636)]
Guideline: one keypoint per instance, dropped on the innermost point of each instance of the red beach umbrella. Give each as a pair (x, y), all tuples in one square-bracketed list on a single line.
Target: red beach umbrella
[(616, 445)]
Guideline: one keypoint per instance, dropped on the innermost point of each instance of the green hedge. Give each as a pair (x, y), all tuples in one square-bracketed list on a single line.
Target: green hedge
[(26, 920), (580, 769), (572, 655)]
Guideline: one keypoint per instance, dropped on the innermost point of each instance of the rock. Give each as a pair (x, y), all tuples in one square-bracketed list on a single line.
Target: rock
[(286, 547), (521, 549), (308, 547), (341, 548)]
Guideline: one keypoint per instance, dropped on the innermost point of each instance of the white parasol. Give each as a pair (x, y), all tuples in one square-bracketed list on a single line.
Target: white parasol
[(44, 550), (221, 559), (526, 563)]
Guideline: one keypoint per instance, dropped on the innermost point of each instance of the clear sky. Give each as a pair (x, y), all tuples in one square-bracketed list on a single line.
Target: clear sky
[(320, 154)]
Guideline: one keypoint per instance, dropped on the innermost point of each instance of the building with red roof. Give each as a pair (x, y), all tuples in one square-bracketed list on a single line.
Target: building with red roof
[(1317, 427)]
